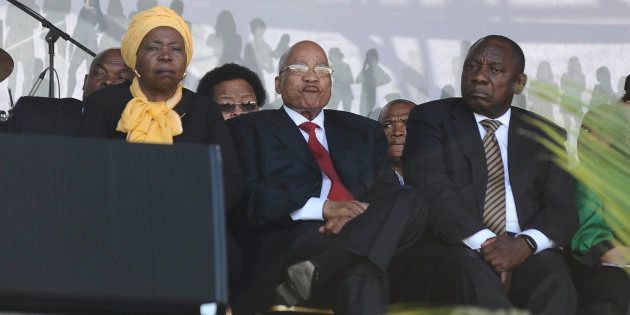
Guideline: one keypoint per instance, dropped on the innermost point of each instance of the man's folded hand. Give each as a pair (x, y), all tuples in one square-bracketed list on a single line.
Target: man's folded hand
[(351, 209)]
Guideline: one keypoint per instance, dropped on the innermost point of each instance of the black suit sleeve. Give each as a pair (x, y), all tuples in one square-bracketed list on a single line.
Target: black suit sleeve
[(271, 199), (381, 159), (218, 133), (425, 167), (551, 196), (558, 218), (102, 110), (96, 120)]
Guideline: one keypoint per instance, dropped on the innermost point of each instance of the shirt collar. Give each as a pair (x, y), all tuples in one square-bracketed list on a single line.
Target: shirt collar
[(298, 119), (504, 119)]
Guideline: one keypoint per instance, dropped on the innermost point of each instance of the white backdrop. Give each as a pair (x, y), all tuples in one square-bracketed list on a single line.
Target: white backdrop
[(414, 48)]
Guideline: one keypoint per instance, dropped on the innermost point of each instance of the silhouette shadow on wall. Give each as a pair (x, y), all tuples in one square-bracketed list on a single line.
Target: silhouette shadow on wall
[(371, 77)]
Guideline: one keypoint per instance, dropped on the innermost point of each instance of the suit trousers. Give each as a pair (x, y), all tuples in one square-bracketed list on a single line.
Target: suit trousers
[(459, 275), (600, 290), (394, 221)]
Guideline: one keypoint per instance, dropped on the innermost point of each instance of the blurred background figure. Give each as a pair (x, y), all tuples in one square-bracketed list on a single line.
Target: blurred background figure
[(543, 93), (116, 24), (19, 43), (90, 19), (282, 47), (142, 5), (572, 85), (447, 91), (236, 89), (257, 53), (342, 81), (602, 92), (225, 41), (371, 77), (178, 6), (625, 99)]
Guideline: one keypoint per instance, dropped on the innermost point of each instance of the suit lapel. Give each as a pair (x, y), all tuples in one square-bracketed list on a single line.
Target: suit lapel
[(289, 134), (470, 141), (520, 151), (340, 146)]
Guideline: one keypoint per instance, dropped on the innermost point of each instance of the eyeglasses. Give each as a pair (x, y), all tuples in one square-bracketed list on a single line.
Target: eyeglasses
[(244, 106), (302, 69)]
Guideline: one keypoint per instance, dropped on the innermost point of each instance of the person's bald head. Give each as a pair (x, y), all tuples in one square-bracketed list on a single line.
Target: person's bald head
[(107, 68), (306, 92)]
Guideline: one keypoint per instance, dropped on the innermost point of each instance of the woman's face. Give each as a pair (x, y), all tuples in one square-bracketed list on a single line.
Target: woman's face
[(235, 97), (161, 61)]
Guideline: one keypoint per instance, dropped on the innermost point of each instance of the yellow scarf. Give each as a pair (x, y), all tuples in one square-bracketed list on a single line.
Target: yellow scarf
[(150, 122)]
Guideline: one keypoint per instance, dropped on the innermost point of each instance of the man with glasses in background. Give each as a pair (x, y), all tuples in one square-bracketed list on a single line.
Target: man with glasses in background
[(324, 227)]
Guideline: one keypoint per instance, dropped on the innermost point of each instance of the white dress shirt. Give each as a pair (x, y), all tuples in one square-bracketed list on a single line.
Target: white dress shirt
[(313, 209), (511, 216)]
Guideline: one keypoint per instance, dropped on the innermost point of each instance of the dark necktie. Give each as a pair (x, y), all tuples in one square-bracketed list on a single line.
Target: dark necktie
[(494, 204), (338, 191)]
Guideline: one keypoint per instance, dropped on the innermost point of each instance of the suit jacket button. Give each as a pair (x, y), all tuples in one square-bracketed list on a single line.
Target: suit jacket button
[(317, 184)]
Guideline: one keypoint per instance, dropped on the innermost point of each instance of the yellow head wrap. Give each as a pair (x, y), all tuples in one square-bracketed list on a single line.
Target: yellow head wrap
[(143, 22), (142, 120)]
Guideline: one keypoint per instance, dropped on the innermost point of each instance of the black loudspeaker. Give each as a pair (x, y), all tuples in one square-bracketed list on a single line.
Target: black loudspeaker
[(100, 226)]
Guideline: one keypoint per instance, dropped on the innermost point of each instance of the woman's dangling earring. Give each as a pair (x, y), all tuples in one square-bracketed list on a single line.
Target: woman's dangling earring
[(137, 74)]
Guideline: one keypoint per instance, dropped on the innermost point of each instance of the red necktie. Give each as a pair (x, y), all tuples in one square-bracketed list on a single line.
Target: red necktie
[(338, 191)]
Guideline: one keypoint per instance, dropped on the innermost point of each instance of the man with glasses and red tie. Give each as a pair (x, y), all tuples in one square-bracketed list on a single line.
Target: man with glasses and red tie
[(324, 225)]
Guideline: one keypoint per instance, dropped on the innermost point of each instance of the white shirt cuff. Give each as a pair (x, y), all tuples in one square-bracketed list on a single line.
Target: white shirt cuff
[(313, 209), (475, 241), (542, 241)]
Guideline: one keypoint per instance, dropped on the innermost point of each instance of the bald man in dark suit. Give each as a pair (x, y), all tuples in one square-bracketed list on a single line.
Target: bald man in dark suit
[(324, 207)]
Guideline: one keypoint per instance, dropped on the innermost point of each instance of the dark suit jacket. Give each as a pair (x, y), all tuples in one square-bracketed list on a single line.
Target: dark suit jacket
[(44, 115), (281, 175), (201, 120), (444, 158), (280, 172)]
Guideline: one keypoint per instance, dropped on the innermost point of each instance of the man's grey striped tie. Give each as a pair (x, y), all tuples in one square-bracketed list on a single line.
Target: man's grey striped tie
[(494, 204)]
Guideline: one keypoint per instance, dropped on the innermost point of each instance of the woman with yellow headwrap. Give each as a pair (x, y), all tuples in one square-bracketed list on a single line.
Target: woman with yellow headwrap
[(154, 107)]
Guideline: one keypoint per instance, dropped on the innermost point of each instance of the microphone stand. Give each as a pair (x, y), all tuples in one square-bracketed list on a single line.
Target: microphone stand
[(51, 38)]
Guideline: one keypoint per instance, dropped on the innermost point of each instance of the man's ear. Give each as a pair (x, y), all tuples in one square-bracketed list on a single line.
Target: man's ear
[(519, 85), (278, 82)]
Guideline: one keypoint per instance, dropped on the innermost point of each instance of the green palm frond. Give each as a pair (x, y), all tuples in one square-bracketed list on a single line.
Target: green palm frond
[(604, 158)]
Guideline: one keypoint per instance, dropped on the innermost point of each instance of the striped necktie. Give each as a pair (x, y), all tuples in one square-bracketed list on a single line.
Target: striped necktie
[(494, 204)]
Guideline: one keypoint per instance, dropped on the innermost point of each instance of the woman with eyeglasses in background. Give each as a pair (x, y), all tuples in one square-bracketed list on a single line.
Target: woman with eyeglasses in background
[(236, 89)]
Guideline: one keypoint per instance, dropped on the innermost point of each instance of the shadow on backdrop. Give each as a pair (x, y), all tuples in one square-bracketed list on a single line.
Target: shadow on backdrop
[(371, 77), (225, 41), (342, 81), (543, 93), (20, 45), (257, 53), (602, 92), (116, 25), (85, 32)]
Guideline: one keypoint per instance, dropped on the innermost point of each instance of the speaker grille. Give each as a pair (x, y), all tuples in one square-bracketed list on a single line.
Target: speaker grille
[(106, 220)]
